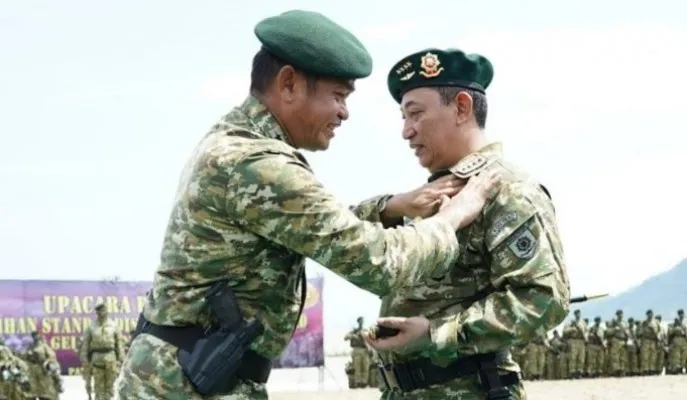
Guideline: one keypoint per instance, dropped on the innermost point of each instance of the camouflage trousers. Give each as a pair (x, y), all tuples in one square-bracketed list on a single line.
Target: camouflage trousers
[(458, 389), (103, 381), (87, 375), (595, 360), (361, 366), (576, 360), (647, 356), (11, 391), (677, 356), (632, 361), (617, 356), (535, 358)]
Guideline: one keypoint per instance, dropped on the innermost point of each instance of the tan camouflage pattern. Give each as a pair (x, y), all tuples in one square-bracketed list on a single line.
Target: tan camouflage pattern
[(102, 347), (617, 336), (596, 351), (575, 335), (649, 335), (17, 373), (250, 210), (360, 358), (514, 243), (37, 355), (677, 342)]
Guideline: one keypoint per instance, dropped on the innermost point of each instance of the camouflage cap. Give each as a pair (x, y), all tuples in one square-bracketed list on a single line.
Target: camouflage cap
[(314, 43), (435, 67)]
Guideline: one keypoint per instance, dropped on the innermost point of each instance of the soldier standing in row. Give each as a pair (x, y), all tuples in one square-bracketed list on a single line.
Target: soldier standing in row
[(86, 370), (677, 342), (14, 375), (649, 334), (360, 357), (617, 335), (46, 380), (596, 349), (102, 350), (575, 335), (535, 357)]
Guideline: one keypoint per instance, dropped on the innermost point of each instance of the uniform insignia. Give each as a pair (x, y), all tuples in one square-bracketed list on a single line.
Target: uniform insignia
[(523, 244), (407, 76), (403, 68), (430, 66), (502, 221), (469, 166)]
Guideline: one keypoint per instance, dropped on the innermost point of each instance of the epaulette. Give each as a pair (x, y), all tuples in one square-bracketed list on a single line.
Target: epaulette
[(469, 166)]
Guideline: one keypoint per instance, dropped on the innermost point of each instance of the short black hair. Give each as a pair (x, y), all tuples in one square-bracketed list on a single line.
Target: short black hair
[(266, 66), (479, 101)]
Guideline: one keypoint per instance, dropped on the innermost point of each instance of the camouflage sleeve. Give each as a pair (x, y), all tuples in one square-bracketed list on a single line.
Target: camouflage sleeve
[(276, 196), (522, 240), (85, 346), (371, 210)]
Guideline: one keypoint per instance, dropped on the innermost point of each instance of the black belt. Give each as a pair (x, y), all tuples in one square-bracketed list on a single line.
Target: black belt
[(421, 374), (254, 367)]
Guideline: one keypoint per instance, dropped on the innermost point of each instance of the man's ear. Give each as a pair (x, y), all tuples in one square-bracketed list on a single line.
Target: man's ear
[(286, 83), (463, 102)]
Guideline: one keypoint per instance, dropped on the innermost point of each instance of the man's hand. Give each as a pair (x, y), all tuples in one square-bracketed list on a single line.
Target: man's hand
[(413, 334), (464, 207), (423, 201)]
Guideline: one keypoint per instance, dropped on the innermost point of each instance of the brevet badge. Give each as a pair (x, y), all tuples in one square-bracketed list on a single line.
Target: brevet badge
[(403, 68), (430, 66)]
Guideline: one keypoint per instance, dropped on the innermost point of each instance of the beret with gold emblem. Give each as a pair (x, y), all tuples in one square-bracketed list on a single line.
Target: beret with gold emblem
[(435, 67), (314, 43)]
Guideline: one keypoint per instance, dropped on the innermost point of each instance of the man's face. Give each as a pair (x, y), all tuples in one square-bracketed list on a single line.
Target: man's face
[(102, 313), (430, 127), (313, 113)]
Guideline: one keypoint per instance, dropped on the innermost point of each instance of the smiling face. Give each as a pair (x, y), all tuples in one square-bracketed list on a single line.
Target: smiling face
[(311, 110), (433, 127)]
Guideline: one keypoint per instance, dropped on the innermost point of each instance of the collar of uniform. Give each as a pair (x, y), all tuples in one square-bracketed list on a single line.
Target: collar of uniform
[(488, 154), (264, 122)]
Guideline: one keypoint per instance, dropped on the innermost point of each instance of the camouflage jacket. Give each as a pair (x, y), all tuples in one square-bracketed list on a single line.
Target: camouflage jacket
[(513, 246), (102, 344), (249, 210)]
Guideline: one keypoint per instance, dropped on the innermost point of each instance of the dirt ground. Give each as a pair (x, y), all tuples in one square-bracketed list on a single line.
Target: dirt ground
[(642, 388)]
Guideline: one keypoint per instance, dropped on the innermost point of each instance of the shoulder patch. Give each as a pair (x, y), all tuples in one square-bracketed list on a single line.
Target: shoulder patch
[(469, 165), (523, 244)]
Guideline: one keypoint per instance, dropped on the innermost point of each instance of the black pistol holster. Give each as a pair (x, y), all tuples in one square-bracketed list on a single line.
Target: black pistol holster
[(216, 358)]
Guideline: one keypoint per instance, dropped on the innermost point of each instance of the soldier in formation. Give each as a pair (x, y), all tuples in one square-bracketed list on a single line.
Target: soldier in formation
[(14, 375), (44, 370), (360, 357), (101, 350), (615, 348)]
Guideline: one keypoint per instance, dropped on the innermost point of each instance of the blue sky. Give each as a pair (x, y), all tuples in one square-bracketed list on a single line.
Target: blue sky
[(102, 103)]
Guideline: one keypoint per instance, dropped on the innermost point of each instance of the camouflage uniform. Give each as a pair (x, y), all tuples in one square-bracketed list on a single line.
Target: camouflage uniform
[(649, 334), (44, 369), (514, 246), (617, 335), (14, 375), (102, 348), (535, 357), (596, 348), (575, 336), (633, 344), (360, 357), (677, 337), (250, 210), (661, 347), (86, 369)]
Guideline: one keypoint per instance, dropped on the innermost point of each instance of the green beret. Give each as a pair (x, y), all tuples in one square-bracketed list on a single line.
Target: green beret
[(315, 44), (681, 311), (597, 319), (434, 67), (99, 307)]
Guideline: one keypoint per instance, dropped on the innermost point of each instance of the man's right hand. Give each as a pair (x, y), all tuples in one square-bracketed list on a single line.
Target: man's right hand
[(463, 208), (424, 201)]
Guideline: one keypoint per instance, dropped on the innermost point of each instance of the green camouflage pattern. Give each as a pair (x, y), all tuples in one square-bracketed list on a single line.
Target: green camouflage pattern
[(514, 244), (249, 210), (37, 355), (102, 347)]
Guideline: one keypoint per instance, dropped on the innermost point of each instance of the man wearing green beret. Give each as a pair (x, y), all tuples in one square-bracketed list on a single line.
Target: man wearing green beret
[(510, 283), (249, 211)]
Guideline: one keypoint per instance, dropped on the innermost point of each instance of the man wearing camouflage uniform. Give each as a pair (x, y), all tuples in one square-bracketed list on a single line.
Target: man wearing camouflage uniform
[(633, 346), (510, 284), (596, 350), (86, 369), (102, 350), (677, 337), (617, 336), (649, 335), (14, 375), (575, 336), (359, 355), (249, 211), (45, 374), (535, 358), (662, 347)]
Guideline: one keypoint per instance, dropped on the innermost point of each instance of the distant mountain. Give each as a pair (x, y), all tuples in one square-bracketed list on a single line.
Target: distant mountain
[(664, 293)]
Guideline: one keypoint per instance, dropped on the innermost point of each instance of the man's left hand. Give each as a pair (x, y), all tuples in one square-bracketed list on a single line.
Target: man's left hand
[(413, 334)]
